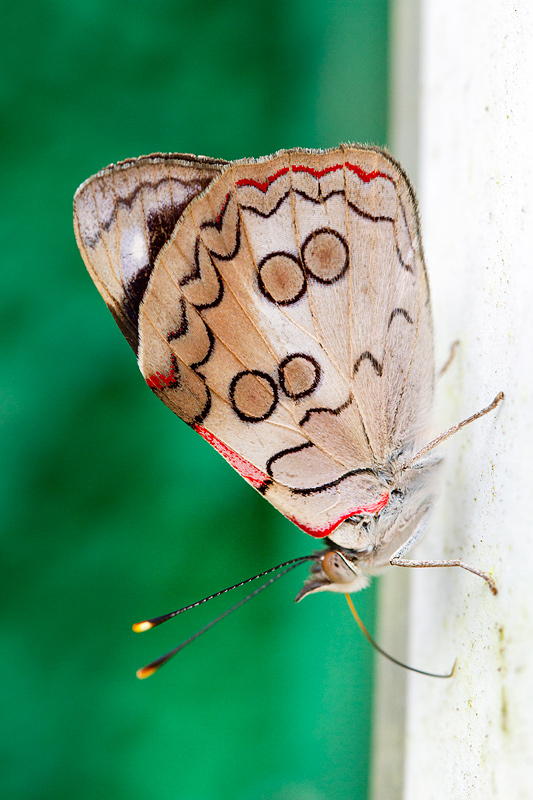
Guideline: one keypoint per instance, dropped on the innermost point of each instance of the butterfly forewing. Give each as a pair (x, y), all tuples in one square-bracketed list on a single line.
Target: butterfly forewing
[(284, 313), (125, 214)]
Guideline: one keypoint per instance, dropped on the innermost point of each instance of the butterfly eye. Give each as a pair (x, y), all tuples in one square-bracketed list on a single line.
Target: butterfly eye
[(337, 569)]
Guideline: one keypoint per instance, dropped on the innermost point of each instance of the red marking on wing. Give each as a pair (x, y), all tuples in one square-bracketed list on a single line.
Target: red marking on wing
[(263, 186), (366, 177), (159, 381), (222, 210), (250, 473), (319, 532), (316, 173)]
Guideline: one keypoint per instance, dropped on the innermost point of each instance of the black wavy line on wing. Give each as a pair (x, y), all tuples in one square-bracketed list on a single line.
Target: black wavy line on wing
[(306, 417), (266, 214), (175, 381), (321, 198), (408, 267), (207, 408), (325, 486), (183, 325), (366, 215), (319, 201), (218, 222), (196, 274), (399, 312), (231, 255), (209, 353), (217, 225), (197, 187), (314, 489), (367, 355), (282, 453), (168, 160)]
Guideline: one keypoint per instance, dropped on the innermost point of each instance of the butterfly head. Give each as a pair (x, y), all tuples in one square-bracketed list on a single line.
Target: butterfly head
[(335, 570)]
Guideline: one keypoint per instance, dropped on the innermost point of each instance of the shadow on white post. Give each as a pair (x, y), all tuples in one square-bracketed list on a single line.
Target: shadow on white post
[(472, 736)]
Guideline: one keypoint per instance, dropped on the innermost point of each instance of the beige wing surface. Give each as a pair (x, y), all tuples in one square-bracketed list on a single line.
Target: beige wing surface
[(287, 319)]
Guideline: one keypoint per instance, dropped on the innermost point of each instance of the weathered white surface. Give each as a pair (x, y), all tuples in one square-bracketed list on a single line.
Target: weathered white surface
[(472, 736), (389, 708)]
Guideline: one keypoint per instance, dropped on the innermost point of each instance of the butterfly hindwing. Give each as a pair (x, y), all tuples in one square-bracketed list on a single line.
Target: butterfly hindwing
[(284, 313)]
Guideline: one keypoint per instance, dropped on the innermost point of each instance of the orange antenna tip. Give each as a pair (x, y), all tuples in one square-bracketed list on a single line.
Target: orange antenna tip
[(145, 672), (145, 625)]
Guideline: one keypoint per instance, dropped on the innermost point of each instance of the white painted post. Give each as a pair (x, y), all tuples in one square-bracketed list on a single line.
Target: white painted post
[(471, 736), (389, 711)]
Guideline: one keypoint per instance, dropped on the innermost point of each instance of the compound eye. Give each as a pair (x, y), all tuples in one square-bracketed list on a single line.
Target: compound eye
[(336, 568)]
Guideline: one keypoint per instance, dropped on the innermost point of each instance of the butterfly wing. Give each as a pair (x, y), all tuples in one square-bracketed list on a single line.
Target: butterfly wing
[(122, 217), (287, 319)]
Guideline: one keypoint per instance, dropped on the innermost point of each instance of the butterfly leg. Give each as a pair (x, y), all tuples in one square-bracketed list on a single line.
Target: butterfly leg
[(397, 559), (451, 356), (415, 461)]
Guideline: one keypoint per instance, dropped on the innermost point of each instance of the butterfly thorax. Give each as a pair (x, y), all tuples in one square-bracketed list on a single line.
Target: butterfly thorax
[(362, 545)]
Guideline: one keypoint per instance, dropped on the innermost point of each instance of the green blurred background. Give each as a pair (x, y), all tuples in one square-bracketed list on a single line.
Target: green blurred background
[(111, 509)]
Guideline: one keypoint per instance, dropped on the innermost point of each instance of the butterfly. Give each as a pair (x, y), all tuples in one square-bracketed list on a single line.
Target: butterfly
[(281, 308)]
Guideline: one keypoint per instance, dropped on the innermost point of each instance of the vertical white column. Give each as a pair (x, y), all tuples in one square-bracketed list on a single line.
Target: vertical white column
[(472, 736), (389, 708)]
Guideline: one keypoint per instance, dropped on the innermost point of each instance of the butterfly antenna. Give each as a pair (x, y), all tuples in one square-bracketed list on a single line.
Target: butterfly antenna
[(149, 669), (374, 644)]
